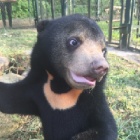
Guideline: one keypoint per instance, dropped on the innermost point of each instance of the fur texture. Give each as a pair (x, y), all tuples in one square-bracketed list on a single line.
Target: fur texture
[(66, 82)]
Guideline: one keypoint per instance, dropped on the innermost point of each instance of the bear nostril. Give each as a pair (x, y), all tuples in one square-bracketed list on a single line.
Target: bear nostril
[(101, 70)]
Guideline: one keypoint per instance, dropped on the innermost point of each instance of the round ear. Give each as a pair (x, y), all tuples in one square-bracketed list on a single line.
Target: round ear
[(42, 25)]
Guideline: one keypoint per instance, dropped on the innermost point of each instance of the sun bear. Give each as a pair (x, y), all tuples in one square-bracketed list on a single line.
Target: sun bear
[(65, 86)]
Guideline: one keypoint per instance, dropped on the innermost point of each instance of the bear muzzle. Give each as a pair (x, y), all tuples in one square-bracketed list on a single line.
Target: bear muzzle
[(99, 68)]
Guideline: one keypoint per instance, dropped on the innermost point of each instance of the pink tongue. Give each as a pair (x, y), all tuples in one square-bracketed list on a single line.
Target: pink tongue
[(80, 79)]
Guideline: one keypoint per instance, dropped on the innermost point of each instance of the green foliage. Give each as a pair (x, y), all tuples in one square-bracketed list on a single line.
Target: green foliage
[(20, 9)]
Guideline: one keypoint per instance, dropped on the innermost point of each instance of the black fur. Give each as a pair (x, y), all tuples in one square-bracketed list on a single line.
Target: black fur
[(91, 118)]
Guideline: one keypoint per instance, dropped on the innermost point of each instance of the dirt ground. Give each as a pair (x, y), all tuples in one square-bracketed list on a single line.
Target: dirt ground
[(20, 23), (128, 55)]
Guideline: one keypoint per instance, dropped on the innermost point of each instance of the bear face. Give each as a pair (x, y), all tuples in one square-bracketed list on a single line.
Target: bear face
[(75, 49)]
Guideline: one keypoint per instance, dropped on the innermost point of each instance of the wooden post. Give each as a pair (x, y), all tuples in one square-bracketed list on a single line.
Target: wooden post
[(126, 32), (52, 8), (89, 8), (110, 21)]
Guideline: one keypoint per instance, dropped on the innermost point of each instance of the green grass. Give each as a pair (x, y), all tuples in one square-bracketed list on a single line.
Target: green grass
[(122, 90), (105, 28), (16, 41), (115, 33)]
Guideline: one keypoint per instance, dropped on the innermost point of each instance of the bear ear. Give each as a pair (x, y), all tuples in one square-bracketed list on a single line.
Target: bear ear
[(42, 25)]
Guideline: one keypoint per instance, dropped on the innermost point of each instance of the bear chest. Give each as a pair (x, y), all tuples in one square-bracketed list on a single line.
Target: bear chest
[(63, 124), (64, 115)]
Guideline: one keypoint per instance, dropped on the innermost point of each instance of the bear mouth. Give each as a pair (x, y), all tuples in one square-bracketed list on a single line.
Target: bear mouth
[(83, 79)]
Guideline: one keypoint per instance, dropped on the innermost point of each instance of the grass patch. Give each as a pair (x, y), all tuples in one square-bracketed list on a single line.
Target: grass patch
[(105, 28), (13, 42), (122, 90)]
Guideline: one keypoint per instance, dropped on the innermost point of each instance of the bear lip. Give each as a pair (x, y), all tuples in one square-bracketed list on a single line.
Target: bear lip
[(83, 79)]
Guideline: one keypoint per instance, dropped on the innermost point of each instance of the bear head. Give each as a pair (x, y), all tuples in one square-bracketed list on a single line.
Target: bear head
[(72, 48)]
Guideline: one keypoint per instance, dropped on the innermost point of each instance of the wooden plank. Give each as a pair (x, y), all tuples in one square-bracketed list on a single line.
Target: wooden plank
[(115, 20), (116, 28)]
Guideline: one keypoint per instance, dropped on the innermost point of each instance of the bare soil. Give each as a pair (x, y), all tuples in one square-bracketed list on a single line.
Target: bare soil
[(128, 55)]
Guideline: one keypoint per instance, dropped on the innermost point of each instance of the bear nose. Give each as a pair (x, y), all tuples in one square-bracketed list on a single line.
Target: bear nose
[(99, 67), (101, 70)]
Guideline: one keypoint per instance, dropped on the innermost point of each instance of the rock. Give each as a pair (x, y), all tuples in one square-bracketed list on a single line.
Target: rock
[(4, 63), (10, 78), (28, 52), (25, 73)]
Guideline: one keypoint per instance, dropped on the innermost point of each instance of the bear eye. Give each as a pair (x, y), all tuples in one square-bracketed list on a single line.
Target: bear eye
[(104, 51), (73, 43)]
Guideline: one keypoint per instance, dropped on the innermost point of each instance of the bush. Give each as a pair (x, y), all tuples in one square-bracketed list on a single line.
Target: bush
[(20, 9)]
